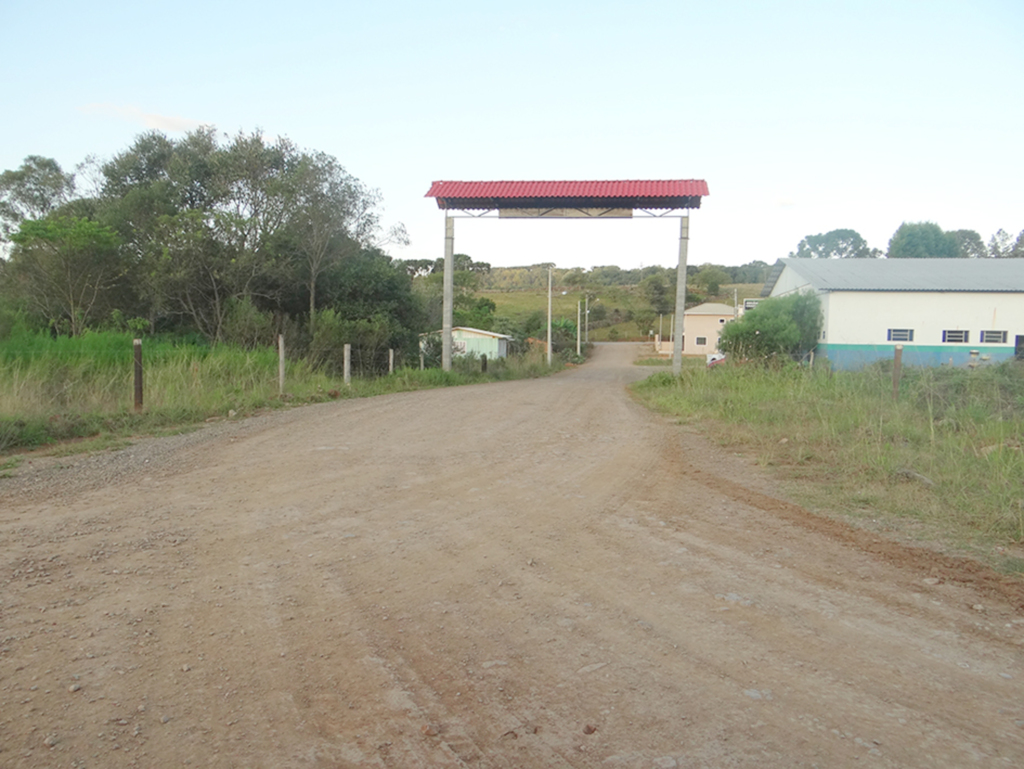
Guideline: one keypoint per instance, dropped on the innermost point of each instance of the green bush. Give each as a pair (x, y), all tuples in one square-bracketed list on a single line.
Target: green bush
[(246, 326), (371, 338), (777, 328)]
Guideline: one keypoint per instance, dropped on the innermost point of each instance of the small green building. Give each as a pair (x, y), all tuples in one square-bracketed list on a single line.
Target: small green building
[(475, 341)]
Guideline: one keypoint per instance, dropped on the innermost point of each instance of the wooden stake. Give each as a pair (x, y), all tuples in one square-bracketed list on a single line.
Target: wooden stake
[(280, 364), (137, 344)]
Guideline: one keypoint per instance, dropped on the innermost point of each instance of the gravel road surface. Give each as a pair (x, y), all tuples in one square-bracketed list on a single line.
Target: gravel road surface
[(529, 574)]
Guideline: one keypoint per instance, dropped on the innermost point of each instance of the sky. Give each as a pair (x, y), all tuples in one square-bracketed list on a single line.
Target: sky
[(803, 117)]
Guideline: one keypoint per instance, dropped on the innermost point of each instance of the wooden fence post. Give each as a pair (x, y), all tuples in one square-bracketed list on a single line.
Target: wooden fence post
[(348, 364), (137, 344), (391, 360), (280, 364)]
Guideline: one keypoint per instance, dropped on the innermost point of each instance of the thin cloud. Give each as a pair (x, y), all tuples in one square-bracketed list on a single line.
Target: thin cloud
[(132, 114)]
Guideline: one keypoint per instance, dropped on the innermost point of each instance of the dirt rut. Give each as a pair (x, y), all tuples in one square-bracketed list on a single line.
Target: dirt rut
[(530, 574)]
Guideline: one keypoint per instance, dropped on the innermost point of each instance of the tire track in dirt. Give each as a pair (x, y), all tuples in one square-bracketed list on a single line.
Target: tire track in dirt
[(529, 574)]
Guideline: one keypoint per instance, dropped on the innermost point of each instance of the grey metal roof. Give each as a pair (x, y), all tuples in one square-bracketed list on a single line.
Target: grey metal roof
[(964, 275)]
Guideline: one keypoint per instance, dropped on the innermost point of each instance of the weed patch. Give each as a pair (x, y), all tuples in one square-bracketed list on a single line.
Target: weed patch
[(944, 461), (66, 390)]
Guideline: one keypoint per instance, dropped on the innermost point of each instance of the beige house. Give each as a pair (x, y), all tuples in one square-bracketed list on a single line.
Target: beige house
[(701, 326)]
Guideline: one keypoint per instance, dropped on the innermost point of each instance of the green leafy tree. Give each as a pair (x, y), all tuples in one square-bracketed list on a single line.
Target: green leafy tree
[(1001, 245), (608, 275), (332, 215), (657, 291), (781, 326), (209, 231), (194, 274), (66, 268), (462, 263), (922, 240), (1018, 247), (835, 244), (260, 183), (645, 320), (970, 244), (751, 272), (574, 278), (33, 191), (711, 277), (478, 315), (136, 190)]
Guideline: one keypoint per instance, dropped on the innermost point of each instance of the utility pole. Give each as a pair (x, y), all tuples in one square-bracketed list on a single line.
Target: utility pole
[(449, 284)]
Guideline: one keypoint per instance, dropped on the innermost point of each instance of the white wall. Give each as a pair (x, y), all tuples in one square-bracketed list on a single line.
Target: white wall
[(789, 282), (864, 317)]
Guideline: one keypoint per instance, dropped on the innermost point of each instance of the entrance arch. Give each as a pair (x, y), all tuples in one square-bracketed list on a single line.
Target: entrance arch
[(568, 200)]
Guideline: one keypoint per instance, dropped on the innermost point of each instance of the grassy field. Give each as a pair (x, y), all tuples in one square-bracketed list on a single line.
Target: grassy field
[(519, 305), (943, 463), (54, 390), (743, 291)]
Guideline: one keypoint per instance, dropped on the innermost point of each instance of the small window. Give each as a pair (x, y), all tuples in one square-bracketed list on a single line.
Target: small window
[(901, 335), (822, 334), (956, 336), (993, 337), (702, 340), (721, 320)]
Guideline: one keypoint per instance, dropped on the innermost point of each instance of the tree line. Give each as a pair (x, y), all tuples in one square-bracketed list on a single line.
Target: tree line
[(912, 240), (234, 238), (535, 277), (242, 238)]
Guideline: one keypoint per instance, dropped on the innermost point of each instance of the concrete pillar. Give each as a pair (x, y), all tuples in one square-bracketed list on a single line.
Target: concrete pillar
[(677, 342), (449, 292)]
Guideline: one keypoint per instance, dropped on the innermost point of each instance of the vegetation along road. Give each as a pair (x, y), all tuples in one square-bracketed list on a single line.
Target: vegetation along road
[(528, 574)]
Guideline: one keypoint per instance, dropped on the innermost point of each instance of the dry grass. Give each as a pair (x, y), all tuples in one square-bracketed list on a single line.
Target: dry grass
[(942, 463), (65, 390)]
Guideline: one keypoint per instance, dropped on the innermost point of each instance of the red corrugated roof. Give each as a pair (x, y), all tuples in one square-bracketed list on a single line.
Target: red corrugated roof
[(670, 188)]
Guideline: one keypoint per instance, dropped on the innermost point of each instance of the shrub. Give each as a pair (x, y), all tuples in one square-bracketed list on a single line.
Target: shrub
[(783, 326)]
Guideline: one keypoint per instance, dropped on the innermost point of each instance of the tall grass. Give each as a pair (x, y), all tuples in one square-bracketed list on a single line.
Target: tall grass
[(56, 389), (945, 457)]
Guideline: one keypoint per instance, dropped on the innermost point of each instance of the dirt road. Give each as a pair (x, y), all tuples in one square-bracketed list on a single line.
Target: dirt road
[(530, 574)]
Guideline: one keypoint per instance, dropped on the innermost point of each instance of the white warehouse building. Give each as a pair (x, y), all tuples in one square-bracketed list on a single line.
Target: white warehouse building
[(940, 310)]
